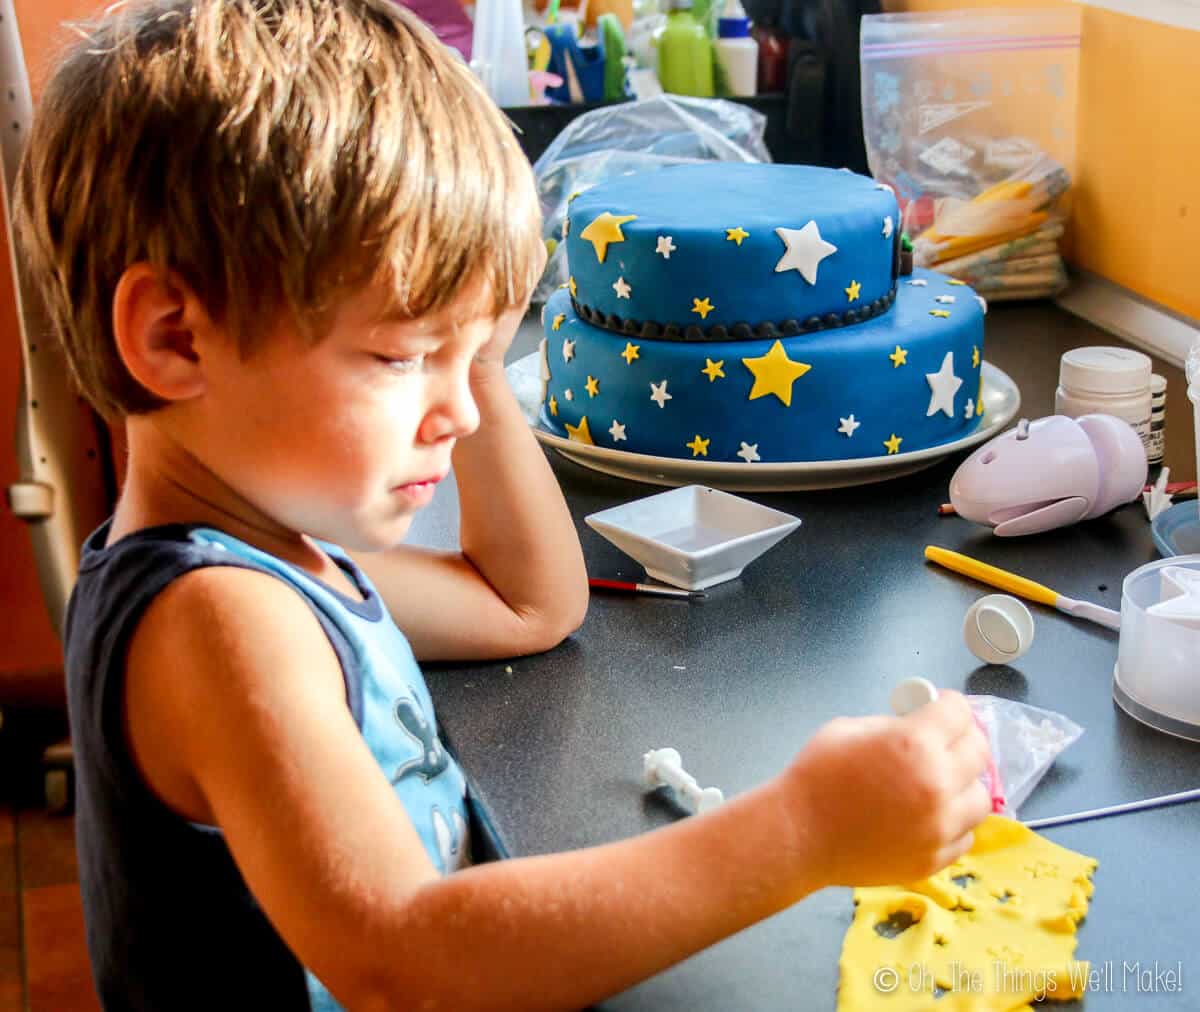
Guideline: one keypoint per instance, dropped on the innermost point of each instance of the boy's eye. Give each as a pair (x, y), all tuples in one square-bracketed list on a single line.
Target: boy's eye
[(410, 363)]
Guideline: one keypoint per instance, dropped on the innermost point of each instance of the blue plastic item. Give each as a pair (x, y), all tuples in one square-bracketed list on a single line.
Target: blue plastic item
[(1176, 530), (586, 64)]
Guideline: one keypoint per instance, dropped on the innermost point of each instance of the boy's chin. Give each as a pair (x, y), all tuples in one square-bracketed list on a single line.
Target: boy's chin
[(369, 538)]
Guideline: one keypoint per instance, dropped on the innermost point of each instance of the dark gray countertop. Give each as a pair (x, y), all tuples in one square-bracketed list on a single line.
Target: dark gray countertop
[(825, 624)]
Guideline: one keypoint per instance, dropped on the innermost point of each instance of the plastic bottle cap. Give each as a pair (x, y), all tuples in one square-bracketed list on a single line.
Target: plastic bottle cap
[(1104, 370), (733, 28), (1158, 384), (911, 694), (998, 629)]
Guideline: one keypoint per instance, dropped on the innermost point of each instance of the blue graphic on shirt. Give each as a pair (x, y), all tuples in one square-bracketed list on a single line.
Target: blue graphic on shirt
[(433, 759)]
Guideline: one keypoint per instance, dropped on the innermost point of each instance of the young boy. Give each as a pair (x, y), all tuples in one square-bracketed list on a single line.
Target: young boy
[(287, 243)]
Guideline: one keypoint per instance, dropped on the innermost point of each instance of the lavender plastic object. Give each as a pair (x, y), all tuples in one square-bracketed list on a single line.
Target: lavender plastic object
[(1049, 473)]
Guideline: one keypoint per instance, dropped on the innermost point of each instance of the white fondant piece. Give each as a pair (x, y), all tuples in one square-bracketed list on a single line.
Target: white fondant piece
[(568, 350), (887, 226), (849, 424), (970, 408), (658, 394), (617, 431), (943, 385), (621, 287), (805, 251), (663, 767), (666, 246), (749, 453)]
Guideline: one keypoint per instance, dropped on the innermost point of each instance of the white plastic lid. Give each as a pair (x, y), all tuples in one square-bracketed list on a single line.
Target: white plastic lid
[(1105, 370), (998, 629), (911, 694)]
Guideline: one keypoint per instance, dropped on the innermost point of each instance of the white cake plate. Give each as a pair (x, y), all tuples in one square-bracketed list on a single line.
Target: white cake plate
[(1001, 400)]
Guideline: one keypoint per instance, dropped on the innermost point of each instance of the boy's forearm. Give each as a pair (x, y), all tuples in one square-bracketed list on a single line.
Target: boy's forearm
[(565, 930), (515, 526)]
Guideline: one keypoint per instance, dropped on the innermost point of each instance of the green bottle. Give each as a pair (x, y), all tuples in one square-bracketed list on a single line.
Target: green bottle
[(685, 54)]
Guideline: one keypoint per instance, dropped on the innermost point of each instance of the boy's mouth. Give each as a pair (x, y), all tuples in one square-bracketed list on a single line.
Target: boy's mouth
[(420, 491)]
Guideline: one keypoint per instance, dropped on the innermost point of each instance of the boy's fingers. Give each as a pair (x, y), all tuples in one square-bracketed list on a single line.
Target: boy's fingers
[(971, 807), (968, 756), (949, 715)]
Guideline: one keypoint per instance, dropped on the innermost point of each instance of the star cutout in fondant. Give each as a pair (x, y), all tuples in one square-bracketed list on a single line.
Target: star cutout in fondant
[(749, 453), (945, 300), (970, 408), (774, 373), (974, 357), (899, 357), (713, 370), (941, 313), (702, 306), (918, 282), (568, 350), (571, 285), (621, 287), (805, 251), (617, 431), (848, 425), (893, 444), (630, 352), (658, 393), (666, 246), (580, 433), (593, 386), (852, 291), (887, 226), (944, 385), (553, 405), (605, 229), (698, 446), (558, 322), (736, 234)]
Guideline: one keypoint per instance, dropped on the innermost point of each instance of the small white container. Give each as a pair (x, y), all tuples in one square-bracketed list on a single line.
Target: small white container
[(737, 50), (693, 537), (1106, 381)]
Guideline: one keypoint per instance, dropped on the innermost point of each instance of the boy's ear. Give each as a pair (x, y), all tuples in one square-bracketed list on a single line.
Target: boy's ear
[(160, 325)]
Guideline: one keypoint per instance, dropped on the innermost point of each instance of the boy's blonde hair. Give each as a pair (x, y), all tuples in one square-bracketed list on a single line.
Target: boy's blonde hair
[(277, 155)]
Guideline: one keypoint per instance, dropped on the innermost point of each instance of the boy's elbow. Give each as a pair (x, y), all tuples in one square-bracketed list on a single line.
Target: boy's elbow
[(548, 629)]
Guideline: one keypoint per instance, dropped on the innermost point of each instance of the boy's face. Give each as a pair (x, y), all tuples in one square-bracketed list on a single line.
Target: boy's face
[(345, 439)]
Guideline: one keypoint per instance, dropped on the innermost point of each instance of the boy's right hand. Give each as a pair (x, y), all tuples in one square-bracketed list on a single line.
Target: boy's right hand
[(888, 800)]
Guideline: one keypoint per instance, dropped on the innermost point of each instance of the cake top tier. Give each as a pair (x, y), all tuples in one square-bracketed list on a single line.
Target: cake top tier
[(724, 250)]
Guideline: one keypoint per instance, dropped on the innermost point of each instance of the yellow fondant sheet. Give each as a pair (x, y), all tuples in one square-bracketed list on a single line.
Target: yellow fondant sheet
[(993, 932)]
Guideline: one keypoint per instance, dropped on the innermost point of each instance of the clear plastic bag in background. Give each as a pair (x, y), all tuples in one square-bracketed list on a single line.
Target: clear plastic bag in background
[(970, 116), (637, 137), (1025, 742)]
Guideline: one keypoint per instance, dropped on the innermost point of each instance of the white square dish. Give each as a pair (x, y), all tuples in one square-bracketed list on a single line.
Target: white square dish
[(693, 537)]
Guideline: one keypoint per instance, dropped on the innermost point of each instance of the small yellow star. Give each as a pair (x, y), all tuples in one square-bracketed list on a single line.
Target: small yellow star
[(979, 399), (698, 446), (605, 229), (713, 369), (702, 306), (593, 386), (893, 444), (943, 313), (853, 290), (574, 194), (899, 357), (774, 373), (955, 281), (558, 321), (630, 352), (580, 433), (563, 285), (553, 405), (974, 357), (736, 234), (571, 285)]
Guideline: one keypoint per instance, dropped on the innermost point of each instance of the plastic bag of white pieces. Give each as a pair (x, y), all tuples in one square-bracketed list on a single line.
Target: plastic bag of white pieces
[(1025, 741)]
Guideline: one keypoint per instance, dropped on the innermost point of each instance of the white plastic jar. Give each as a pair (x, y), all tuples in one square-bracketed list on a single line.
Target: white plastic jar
[(1106, 381)]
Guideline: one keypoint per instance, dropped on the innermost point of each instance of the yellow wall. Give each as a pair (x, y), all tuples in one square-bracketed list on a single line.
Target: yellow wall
[(1138, 151)]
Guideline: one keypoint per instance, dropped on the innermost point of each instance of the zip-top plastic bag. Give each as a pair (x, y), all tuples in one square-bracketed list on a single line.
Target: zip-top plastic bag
[(970, 116)]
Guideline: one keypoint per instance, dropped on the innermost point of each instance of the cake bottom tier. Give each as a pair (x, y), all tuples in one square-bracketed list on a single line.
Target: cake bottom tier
[(907, 380)]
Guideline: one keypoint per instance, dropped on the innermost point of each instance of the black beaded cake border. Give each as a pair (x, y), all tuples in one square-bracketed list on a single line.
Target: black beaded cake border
[(651, 330)]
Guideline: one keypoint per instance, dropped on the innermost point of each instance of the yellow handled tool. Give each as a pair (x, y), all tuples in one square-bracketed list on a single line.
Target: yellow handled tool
[(1019, 585)]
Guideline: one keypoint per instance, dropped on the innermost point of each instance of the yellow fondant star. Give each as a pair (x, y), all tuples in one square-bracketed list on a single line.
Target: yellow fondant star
[(943, 313), (630, 352), (893, 444), (853, 290), (571, 285), (605, 229), (979, 399), (774, 373), (702, 306), (593, 386), (955, 281), (553, 405), (899, 357), (713, 369), (698, 446), (563, 285), (558, 321), (974, 357), (736, 234), (574, 194), (580, 433)]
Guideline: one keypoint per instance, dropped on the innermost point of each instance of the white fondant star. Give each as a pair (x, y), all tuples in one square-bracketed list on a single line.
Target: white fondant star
[(887, 226), (621, 287), (982, 303), (659, 393), (805, 250), (970, 408), (749, 453), (568, 395), (617, 431), (848, 425), (944, 385), (946, 300), (566, 227), (568, 350), (665, 246), (918, 283)]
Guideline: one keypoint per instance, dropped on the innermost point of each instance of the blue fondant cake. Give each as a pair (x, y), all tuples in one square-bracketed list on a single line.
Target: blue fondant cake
[(904, 378)]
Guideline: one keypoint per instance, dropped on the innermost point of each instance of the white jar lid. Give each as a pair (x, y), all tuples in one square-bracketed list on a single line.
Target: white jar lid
[(1105, 370)]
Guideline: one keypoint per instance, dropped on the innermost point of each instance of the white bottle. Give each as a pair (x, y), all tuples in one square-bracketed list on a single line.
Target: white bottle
[(1106, 381), (736, 50)]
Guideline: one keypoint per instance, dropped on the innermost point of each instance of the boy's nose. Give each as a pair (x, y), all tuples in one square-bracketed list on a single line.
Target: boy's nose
[(453, 415)]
